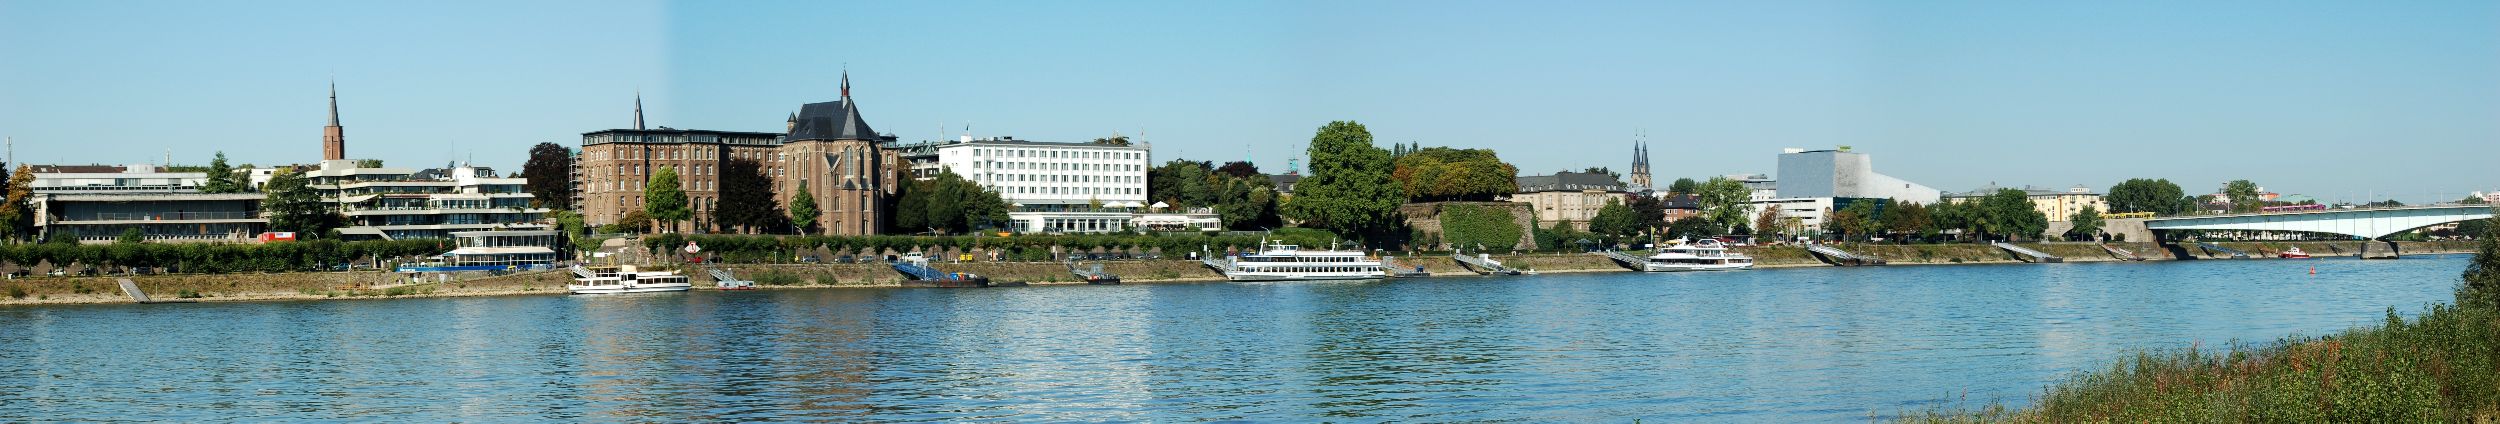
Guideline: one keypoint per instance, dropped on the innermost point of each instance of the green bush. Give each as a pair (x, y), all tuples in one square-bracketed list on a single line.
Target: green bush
[(1468, 226), (777, 278), (16, 292)]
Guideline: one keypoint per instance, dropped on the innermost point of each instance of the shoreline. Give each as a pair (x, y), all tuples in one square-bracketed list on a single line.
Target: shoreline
[(266, 287)]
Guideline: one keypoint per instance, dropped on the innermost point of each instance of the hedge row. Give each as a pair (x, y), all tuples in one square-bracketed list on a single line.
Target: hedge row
[(219, 257)]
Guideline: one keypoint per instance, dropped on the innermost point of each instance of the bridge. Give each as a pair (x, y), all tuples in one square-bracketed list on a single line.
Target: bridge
[(2373, 223)]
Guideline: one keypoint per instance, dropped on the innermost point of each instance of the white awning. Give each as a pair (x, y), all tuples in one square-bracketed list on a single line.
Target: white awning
[(512, 250)]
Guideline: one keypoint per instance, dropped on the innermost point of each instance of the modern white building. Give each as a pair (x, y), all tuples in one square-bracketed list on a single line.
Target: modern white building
[(108, 179), (1840, 173), (1052, 187), (399, 203)]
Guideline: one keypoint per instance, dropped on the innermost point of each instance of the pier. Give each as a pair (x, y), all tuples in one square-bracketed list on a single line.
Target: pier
[(1837, 257), (1391, 267), (2027, 254), (1628, 261), (132, 289)]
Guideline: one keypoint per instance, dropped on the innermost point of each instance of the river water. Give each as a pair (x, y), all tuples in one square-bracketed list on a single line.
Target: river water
[(1817, 344)]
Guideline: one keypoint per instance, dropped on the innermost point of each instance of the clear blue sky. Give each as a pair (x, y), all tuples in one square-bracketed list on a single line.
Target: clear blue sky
[(2331, 99)]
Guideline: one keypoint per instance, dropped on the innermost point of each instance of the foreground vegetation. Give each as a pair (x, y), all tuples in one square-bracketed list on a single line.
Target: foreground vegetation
[(2442, 366)]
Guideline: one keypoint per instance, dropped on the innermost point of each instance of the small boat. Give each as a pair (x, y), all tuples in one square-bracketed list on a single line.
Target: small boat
[(626, 279), (1703, 255), (2293, 253)]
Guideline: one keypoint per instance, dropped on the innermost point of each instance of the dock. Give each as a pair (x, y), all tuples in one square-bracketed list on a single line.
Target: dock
[(2121, 254), (1389, 266), (1837, 257), (924, 276), (2210, 248), (2027, 254), (1094, 275), (1482, 264)]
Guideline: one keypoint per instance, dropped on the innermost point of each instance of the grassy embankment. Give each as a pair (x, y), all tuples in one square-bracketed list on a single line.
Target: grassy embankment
[(272, 286), (2442, 366)]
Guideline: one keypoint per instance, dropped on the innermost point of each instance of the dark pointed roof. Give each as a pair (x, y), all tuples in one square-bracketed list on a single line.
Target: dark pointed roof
[(834, 120), (334, 104), (638, 111)]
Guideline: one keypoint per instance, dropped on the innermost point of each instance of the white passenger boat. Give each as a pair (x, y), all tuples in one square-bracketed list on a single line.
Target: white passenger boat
[(1704, 255), (1285, 262), (625, 279)]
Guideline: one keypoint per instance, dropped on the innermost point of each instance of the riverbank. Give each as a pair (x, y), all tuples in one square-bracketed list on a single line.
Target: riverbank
[(2443, 366), (372, 285)]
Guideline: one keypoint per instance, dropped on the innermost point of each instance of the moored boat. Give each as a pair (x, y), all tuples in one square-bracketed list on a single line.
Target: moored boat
[(1285, 262), (626, 279), (2293, 253), (1703, 255)]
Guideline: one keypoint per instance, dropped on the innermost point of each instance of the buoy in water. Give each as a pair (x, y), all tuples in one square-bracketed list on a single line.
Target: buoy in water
[(2313, 270)]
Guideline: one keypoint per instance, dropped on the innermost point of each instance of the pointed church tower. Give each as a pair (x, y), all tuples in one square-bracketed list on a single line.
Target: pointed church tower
[(334, 137), (638, 111), (1640, 165)]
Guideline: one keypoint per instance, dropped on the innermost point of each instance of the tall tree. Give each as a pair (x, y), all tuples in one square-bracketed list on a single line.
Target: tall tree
[(1349, 190), (1434, 174), (221, 177), (2243, 196), (803, 210), (1769, 224), (549, 172), (2009, 212), (1603, 171), (1724, 201), (2158, 196), (1649, 212), (1910, 220), (746, 199), (2481, 286), (292, 206), (1181, 183), (664, 200), (2087, 225), (17, 209), (1684, 186), (1615, 221), (1237, 169)]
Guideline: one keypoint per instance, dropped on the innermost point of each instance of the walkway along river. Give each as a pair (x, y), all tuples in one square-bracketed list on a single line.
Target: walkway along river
[(1816, 344)]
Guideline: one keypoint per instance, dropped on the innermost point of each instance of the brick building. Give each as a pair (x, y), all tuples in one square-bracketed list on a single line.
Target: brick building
[(844, 163)]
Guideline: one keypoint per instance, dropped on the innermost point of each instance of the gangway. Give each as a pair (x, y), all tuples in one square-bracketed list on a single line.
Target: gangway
[(923, 276), (2122, 254), (2034, 255), (579, 271), (1482, 264), (1220, 265), (132, 289), (1626, 259), (2210, 248), (1837, 257), (918, 271), (1093, 275)]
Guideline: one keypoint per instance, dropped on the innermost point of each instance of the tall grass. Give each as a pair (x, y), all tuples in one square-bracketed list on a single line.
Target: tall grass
[(2442, 366)]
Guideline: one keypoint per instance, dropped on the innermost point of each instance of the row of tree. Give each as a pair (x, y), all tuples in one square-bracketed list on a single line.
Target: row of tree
[(1243, 197)]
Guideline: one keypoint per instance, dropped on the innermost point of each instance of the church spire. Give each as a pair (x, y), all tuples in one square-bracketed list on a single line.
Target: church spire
[(638, 110), (334, 103), (846, 86)]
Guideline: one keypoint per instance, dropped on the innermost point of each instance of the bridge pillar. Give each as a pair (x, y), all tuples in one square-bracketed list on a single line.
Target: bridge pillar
[(2387, 252)]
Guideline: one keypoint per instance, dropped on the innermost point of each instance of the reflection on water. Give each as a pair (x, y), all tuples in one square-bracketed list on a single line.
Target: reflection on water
[(1788, 345)]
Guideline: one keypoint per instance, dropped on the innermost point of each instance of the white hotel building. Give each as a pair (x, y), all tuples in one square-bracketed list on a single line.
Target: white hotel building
[(1051, 187), (400, 203)]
